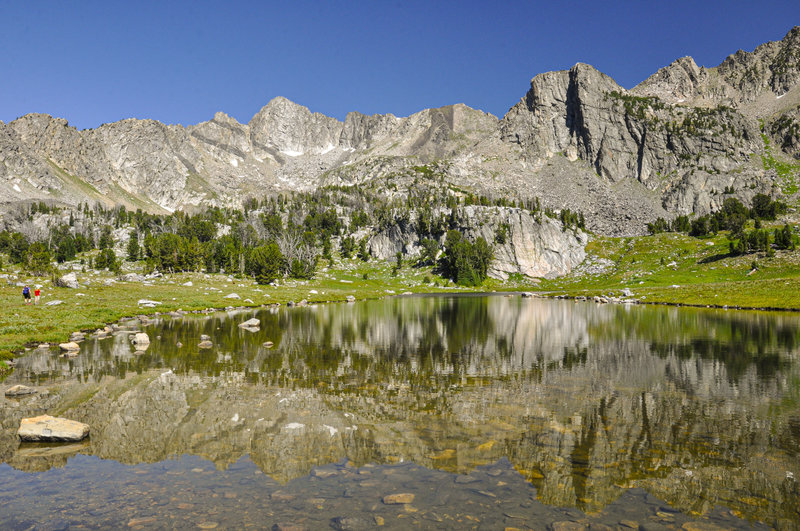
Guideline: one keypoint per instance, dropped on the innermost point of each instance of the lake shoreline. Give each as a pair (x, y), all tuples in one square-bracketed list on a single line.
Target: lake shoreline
[(287, 295)]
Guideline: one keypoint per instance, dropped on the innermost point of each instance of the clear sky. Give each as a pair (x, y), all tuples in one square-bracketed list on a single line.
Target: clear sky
[(181, 61)]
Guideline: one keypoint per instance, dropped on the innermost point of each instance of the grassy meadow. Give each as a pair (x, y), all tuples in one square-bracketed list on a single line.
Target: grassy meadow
[(679, 269)]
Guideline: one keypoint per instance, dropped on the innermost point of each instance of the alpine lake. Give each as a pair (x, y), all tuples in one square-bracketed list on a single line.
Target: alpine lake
[(417, 412)]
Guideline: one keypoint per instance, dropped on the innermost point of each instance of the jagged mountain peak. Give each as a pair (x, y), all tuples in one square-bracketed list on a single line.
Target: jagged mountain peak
[(224, 118), (675, 83), (577, 140)]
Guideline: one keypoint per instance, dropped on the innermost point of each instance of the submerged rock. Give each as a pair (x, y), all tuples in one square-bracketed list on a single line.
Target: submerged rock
[(394, 499), (47, 428), (20, 390), (205, 344), (251, 323)]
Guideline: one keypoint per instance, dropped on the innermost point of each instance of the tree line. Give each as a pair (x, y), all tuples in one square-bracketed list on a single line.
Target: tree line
[(286, 235), (733, 217)]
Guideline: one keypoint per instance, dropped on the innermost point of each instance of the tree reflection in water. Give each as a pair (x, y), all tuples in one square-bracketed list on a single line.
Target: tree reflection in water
[(697, 406)]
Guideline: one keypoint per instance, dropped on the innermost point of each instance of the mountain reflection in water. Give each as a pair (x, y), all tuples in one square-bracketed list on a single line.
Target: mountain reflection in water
[(697, 407)]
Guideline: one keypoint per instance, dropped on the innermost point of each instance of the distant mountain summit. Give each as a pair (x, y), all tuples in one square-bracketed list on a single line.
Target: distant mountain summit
[(671, 145)]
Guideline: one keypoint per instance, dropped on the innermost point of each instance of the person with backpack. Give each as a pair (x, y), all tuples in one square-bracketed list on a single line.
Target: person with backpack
[(26, 294)]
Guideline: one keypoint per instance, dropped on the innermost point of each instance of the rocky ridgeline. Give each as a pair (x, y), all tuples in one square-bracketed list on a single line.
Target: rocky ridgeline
[(577, 140), (742, 78)]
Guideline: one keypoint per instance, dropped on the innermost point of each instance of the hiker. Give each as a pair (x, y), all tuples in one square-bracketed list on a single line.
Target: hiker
[(36, 294), (26, 294)]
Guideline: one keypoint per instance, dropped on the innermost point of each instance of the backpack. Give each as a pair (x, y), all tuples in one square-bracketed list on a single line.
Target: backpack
[(26, 291)]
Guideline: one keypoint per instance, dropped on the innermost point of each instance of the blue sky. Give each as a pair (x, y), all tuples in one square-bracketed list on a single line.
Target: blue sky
[(180, 62)]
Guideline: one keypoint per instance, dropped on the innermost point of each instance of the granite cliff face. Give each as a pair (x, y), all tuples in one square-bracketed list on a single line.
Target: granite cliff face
[(533, 246), (576, 140)]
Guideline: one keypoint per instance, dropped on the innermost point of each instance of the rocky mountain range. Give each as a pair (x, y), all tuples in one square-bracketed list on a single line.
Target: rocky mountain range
[(673, 144)]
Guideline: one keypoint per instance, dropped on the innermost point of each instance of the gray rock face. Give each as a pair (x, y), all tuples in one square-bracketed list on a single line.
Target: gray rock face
[(537, 249), (47, 428), (576, 140), (784, 130), (534, 246), (585, 114)]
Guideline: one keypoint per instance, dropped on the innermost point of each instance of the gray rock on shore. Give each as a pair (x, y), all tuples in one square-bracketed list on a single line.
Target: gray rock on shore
[(70, 280), (70, 346), (141, 340)]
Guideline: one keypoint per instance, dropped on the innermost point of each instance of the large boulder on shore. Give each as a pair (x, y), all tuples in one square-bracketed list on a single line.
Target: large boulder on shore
[(70, 280), (70, 346), (141, 340), (51, 429)]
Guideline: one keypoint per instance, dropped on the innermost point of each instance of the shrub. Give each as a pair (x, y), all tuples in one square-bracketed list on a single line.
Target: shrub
[(265, 263)]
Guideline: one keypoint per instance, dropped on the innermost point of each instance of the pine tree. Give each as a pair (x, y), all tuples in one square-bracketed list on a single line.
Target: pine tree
[(134, 249)]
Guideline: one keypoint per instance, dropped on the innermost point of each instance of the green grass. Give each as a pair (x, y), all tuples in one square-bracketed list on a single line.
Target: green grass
[(787, 171), (701, 268)]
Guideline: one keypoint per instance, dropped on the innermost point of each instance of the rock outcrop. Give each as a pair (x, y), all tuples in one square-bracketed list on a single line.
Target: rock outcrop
[(586, 115), (532, 245), (70, 280)]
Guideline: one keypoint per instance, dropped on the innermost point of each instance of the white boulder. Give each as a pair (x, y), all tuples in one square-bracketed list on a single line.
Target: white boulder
[(47, 428)]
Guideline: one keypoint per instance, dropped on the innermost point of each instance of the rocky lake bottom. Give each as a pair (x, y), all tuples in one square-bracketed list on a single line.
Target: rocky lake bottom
[(437, 412)]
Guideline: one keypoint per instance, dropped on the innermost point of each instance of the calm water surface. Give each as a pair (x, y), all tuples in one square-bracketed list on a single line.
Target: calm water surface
[(491, 411)]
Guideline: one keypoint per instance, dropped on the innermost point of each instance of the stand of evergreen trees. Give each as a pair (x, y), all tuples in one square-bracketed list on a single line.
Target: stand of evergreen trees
[(285, 235), (733, 217)]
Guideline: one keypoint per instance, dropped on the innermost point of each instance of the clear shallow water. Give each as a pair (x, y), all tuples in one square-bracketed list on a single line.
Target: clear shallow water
[(492, 411)]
